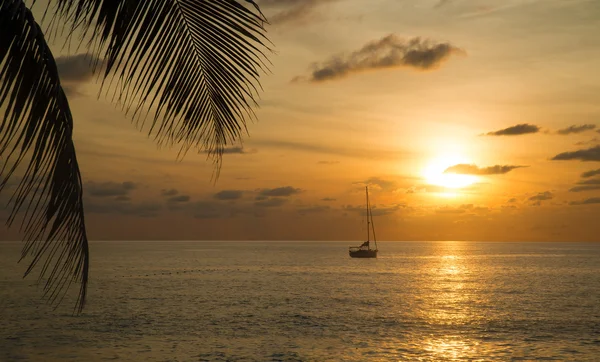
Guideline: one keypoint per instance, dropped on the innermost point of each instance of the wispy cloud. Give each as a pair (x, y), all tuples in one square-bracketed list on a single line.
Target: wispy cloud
[(576, 129), (75, 70), (227, 195), (280, 191), (233, 150), (590, 173), (592, 200), (169, 192), (467, 169), (387, 53), (519, 129), (292, 11), (590, 154), (587, 185), (542, 196), (375, 153), (109, 189)]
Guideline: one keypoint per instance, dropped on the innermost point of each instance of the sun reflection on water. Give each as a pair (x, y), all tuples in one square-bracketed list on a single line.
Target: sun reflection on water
[(448, 308)]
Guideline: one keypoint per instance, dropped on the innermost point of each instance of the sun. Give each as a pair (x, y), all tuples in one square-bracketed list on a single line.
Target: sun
[(434, 172)]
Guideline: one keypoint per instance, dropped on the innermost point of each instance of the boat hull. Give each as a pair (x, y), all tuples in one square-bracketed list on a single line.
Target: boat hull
[(363, 253)]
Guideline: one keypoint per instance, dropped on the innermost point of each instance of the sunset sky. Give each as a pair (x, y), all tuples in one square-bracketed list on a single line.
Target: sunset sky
[(467, 119)]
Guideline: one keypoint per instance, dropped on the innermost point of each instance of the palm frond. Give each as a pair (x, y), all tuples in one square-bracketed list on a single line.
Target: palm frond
[(194, 63), (37, 126)]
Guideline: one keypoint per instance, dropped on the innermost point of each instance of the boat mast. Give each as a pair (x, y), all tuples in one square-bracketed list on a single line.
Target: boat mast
[(368, 219)]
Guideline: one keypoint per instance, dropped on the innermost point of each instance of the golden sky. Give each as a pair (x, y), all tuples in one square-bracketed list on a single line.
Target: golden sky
[(467, 119)]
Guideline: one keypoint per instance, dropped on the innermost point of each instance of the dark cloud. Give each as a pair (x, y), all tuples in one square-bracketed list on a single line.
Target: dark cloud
[(280, 191), (375, 210), (576, 129), (593, 200), (233, 150), (386, 53), (590, 173), (542, 196), (587, 185), (179, 198), (271, 202), (466, 169), (327, 199), (519, 129), (229, 195), (512, 200), (122, 198), (109, 189), (590, 154), (584, 188), (170, 192)]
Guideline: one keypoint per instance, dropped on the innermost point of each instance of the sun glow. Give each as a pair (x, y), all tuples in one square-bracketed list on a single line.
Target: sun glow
[(434, 173)]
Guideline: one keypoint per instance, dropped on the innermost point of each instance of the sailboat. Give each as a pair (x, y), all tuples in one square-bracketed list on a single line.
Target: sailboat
[(364, 250)]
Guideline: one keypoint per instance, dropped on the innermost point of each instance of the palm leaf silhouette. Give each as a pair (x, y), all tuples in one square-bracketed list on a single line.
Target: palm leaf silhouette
[(193, 64), (37, 125)]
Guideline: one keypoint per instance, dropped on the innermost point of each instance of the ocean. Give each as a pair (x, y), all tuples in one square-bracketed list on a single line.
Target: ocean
[(308, 301)]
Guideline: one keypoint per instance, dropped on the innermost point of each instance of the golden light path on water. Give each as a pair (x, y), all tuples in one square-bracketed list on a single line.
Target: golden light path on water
[(449, 305)]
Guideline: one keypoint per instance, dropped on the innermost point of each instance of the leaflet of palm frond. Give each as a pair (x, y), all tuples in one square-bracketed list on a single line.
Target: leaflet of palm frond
[(36, 140), (195, 63)]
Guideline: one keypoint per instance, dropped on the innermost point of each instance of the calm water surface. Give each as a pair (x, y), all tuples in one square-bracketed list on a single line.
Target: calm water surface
[(308, 301)]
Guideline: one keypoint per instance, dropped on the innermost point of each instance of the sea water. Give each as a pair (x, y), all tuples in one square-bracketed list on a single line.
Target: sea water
[(308, 301)]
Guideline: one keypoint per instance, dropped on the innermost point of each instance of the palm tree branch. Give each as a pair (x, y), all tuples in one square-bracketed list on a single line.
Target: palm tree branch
[(37, 130), (194, 64)]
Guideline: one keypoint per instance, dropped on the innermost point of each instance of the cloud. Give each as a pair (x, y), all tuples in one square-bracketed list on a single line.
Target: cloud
[(593, 200), (590, 154), (328, 162), (75, 70), (328, 199), (210, 209), (576, 129), (584, 188), (170, 192), (145, 209), (228, 195), (375, 210), (233, 150), (590, 173), (374, 153), (587, 185), (179, 198), (304, 210), (542, 196), (519, 129), (292, 11), (378, 184), (584, 143), (450, 210), (109, 189), (272, 202), (280, 191), (386, 53), (466, 169)]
